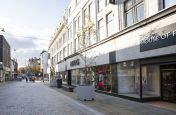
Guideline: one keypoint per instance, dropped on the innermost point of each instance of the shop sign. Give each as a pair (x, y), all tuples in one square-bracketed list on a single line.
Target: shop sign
[(74, 63), (159, 38)]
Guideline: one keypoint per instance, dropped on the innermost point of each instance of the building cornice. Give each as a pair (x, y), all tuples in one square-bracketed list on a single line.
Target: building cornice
[(56, 33)]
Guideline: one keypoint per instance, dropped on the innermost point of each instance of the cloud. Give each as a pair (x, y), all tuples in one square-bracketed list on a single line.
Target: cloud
[(27, 40), (22, 55)]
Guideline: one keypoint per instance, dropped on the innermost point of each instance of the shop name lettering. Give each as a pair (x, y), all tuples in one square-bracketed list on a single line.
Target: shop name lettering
[(155, 37), (74, 62)]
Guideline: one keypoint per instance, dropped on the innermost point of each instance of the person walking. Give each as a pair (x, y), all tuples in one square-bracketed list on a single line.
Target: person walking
[(26, 79)]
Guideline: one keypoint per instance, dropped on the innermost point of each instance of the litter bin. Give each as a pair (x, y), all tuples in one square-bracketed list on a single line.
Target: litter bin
[(59, 83)]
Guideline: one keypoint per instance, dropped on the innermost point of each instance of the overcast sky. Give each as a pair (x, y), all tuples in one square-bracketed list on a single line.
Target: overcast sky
[(29, 25)]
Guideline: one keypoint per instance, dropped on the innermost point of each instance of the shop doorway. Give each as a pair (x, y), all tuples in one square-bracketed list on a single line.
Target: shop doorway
[(168, 83)]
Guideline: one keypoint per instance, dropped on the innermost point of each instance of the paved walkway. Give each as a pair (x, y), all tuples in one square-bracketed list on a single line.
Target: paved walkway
[(21, 98), (110, 105)]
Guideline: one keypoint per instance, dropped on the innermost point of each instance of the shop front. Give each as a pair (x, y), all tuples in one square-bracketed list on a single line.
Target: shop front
[(148, 79), (103, 79), (83, 77), (129, 79), (168, 82), (159, 78)]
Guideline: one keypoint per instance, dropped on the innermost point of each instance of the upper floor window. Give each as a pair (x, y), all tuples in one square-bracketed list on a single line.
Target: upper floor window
[(77, 2), (134, 11), (64, 38), (69, 11), (110, 24), (76, 25), (168, 3), (64, 52), (70, 32), (85, 16), (91, 14), (100, 29), (101, 5)]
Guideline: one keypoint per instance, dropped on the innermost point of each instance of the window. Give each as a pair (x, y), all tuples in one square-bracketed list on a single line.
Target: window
[(76, 25), (91, 14), (134, 11), (64, 38), (76, 45), (58, 57), (68, 50), (57, 45), (150, 81), (61, 55), (77, 2), (71, 48), (70, 32), (69, 11), (64, 52), (101, 5), (109, 22), (85, 16), (129, 79), (60, 42), (100, 29), (168, 3)]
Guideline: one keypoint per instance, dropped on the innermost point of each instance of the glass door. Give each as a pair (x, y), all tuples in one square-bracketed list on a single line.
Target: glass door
[(169, 85)]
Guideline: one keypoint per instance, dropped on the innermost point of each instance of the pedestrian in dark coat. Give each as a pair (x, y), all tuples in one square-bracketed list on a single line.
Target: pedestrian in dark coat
[(26, 79)]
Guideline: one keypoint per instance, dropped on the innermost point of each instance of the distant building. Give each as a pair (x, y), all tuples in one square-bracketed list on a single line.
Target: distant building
[(5, 59), (44, 63), (14, 68)]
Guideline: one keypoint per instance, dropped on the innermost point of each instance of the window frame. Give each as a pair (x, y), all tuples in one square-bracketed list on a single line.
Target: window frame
[(100, 27), (108, 22), (133, 7)]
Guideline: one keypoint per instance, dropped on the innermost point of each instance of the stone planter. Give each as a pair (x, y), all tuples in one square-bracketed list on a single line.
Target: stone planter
[(53, 83), (85, 93)]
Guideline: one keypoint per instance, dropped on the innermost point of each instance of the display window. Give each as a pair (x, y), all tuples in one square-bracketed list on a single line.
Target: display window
[(103, 80), (87, 77), (74, 76), (129, 79), (150, 81), (63, 76)]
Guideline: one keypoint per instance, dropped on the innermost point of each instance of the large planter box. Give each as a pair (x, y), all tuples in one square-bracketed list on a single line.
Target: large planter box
[(85, 93), (53, 83)]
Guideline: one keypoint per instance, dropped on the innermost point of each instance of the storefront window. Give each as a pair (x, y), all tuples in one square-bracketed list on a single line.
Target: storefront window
[(129, 79), (74, 75), (150, 81), (64, 78), (86, 79), (103, 78)]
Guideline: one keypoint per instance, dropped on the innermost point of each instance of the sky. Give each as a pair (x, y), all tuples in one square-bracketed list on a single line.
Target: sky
[(29, 25)]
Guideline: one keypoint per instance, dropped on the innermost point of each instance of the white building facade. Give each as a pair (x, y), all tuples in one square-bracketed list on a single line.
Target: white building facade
[(44, 63), (133, 53)]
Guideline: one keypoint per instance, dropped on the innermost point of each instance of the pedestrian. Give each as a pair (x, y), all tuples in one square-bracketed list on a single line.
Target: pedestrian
[(26, 79)]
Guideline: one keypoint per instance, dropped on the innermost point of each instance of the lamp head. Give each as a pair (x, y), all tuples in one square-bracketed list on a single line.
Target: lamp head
[(2, 30)]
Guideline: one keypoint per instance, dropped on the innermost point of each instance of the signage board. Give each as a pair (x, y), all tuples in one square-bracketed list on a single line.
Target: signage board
[(159, 38)]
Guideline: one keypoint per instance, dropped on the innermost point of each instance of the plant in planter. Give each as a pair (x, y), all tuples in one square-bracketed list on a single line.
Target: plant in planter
[(85, 36), (52, 77)]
